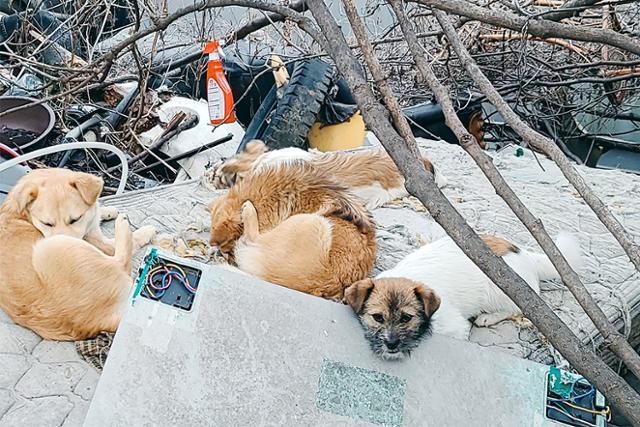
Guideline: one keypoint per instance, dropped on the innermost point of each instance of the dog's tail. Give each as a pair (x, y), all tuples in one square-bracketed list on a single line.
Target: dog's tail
[(348, 208), (440, 179), (569, 247)]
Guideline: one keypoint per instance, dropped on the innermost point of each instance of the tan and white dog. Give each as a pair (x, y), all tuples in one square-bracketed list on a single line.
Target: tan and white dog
[(369, 174), (59, 276), (437, 288)]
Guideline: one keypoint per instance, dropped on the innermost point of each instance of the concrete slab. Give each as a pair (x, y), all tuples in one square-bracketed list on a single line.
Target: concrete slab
[(252, 353)]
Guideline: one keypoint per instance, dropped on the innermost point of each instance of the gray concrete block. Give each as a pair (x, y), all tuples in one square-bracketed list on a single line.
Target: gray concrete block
[(51, 378), (13, 367), (48, 411), (56, 352), (16, 339), (252, 353), (76, 416), (6, 401), (87, 385)]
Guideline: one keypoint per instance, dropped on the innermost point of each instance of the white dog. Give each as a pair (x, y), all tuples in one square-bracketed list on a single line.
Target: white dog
[(438, 289)]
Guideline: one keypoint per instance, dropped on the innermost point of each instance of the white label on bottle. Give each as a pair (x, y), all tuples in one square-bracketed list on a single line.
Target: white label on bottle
[(215, 97)]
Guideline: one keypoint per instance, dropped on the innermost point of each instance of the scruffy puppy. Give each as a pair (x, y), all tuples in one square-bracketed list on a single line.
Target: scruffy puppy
[(296, 227), (370, 174), (438, 288), (58, 275)]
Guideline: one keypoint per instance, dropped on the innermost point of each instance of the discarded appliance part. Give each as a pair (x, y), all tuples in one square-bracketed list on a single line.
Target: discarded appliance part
[(176, 125), (187, 154), (169, 281), (191, 139), (113, 119), (73, 146), (572, 400), (616, 158), (427, 121), (38, 119), (11, 176)]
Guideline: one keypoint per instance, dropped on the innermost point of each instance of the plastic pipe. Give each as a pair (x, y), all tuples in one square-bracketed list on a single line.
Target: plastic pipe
[(74, 146)]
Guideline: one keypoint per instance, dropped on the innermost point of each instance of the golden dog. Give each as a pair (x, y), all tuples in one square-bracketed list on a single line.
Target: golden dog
[(58, 275), (295, 226)]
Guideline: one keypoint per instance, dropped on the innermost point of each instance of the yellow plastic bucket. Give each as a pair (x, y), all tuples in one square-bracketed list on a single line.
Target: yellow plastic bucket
[(342, 136)]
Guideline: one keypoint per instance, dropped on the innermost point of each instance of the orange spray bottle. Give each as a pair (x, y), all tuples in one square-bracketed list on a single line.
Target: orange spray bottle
[(219, 95)]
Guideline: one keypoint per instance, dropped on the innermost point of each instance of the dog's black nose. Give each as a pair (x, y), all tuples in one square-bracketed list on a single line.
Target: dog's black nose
[(392, 344)]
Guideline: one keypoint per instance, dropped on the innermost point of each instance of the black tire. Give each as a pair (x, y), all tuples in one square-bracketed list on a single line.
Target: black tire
[(298, 109)]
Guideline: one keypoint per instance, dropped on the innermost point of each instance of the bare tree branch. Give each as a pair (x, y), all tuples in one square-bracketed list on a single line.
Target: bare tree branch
[(544, 144), (379, 78), (263, 21), (422, 185), (539, 28), (617, 341)]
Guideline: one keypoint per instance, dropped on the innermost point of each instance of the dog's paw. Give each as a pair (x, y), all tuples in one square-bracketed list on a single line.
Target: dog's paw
[(107, 213), (122, 226), (485, 320), (144, 235)]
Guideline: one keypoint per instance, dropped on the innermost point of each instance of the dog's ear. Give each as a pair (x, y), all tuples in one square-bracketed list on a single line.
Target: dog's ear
[(255, 146), (428, 298), (231, 179), (358, 293), (88, 186), (21, 196)]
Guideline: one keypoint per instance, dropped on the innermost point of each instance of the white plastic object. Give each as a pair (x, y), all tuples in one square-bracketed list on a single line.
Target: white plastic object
[(74, 146)]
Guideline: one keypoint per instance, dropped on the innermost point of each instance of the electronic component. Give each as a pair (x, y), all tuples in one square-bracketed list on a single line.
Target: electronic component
[(168, 281), (573, 401)]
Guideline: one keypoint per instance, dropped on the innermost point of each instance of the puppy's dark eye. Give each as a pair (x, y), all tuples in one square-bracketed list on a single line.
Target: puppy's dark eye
[(74, 220), (47, 224), (378, 317), (405, 318)]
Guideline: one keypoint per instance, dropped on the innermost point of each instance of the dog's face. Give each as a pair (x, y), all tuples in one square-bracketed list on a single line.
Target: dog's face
[(58, 201), (394, 312), (236, 168), (226, 224)]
